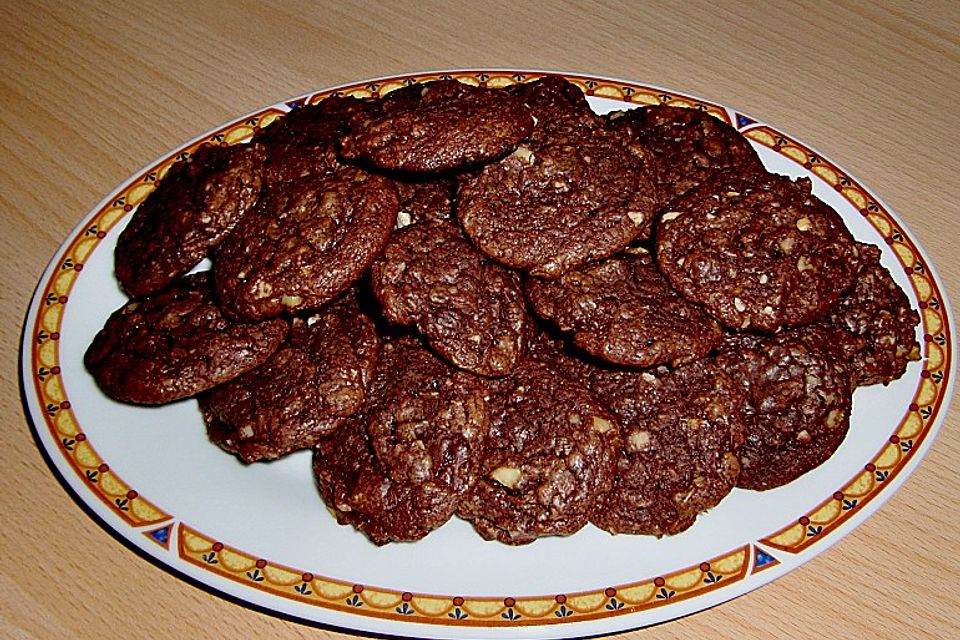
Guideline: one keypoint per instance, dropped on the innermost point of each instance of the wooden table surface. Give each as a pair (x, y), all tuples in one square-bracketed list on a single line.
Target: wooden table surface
[(92, 92)]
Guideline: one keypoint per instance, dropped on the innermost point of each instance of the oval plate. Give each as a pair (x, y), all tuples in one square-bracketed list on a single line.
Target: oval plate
[(261, 534)]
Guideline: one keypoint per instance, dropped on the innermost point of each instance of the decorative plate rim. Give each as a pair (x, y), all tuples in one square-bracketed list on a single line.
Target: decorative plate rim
[(302, 595)]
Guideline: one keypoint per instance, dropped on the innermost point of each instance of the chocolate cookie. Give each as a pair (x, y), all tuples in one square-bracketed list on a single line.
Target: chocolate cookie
[(878, 313), (304, 141), (397, 470), (548, 345), (424, 199), (557, 104), (437, 126), (470, 309), (799, 390), (304, 391), (175, 344), (622, 310), (681, 431), (304, 243), (550, 457), (690, 145), (758, 251), (573, 192), (193, 208)]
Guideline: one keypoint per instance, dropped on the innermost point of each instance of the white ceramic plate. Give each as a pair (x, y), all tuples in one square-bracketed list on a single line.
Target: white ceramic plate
[(261, 534)]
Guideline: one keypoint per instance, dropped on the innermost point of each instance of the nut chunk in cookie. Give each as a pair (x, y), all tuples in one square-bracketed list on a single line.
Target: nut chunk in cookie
[(423, 199), (194, 207), (470, 309), (305, 243), (799, 392), (437, 126), (622, 310), (550, 457), (397, 469), (575, 191), (689, 145), (759, 252), (175, 344), (303, 392), (681, 432), (878, 312)]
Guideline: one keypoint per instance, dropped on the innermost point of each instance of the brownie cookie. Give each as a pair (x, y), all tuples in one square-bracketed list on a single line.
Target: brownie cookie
[(397, 470), (799, 390), (681, 431), (304, 391), (305, 243), (690, 145), (550, 457), (573, 192), (556, 103), (758, 251), (175, 344), (193, 208), (424, 199), (304, 141), (878, 312), (470, 309), (437, 126), (622, 310)]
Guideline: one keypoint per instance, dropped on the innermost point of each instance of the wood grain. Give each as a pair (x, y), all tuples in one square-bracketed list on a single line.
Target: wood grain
[(91, 91)]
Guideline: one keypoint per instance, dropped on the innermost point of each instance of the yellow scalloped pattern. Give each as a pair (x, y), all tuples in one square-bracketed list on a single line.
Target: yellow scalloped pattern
[(233, 564), (912, 428), (104, 483)]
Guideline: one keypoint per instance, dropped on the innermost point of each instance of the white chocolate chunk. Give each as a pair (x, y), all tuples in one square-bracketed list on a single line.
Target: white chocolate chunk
[(507, 476), (601, 425)]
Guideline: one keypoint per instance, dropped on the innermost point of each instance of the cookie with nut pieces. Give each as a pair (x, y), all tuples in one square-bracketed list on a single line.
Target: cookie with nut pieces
[(303, 392), (759, 251), (398, 468), (176, 344), (192, 210), (575, 191), (690, 145), (622, 310), (550, 456), (470, 309), (306, 242), (682, 429), (799, 391), (437, 126)]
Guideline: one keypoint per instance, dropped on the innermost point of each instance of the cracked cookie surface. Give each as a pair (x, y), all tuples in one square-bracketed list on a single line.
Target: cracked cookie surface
[(470, 309), (196, 205), (175, 344), (305, 243), (622, 310), (303, 392), (550, 457), (574, 191), (760, 252), (397, 469)]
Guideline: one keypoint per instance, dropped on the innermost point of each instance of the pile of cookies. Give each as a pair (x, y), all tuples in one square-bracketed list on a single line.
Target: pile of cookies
[(500, 305)]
